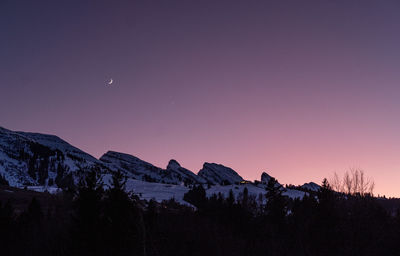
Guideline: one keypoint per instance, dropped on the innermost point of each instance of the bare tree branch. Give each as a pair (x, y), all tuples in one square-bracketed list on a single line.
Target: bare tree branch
[(354, 182)]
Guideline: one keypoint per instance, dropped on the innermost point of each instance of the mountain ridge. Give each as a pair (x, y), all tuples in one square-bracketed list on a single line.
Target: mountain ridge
[(47, 161)]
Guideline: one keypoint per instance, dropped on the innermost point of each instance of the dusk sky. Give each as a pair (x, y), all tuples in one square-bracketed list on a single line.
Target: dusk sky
[(299, 89)]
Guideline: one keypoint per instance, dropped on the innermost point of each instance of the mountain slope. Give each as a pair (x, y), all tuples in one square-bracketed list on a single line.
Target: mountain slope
[(132, 166), (40, 159)]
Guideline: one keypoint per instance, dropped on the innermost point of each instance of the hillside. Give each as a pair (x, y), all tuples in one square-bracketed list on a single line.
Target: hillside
[(43, 162)]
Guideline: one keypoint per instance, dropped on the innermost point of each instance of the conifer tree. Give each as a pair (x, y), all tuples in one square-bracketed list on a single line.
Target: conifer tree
[(196, 196), (123, 221), (87, 228), (275, 208)]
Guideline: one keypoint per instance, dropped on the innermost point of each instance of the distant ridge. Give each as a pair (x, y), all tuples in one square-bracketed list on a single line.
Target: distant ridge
[(47, 162)]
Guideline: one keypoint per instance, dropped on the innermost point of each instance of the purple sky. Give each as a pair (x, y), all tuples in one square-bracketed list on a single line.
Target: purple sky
[(299, 89)]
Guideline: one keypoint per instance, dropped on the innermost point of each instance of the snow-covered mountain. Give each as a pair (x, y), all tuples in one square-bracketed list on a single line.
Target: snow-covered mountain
[(46, 162), (40, 159), (219, 174), (184, 174), (132, 166), (311, 186), (138, 169)]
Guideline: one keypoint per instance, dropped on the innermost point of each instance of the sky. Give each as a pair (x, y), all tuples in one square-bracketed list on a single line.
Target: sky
[(299, 89)]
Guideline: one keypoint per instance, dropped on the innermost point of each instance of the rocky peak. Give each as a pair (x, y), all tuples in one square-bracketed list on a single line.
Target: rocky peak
[(183, 174), (219, 174), (311, 186), (173, 164), (265, 177)]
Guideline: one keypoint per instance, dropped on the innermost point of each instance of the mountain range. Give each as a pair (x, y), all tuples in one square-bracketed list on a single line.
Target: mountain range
[(46, 162)]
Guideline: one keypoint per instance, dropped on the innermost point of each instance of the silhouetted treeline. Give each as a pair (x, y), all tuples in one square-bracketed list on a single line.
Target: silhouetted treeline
[(94, 221)]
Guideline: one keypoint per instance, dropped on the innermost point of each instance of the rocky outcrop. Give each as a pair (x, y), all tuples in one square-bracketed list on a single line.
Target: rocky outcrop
[(312, 186), (265, 177), (183, 174), (133, 167), (219, 174)]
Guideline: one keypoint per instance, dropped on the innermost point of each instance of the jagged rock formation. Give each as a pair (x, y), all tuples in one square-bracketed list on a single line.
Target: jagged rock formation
[(46, 162), (138, 169), (312, 186), (219, 174), (184, 174), (133, 167), (265, 178)]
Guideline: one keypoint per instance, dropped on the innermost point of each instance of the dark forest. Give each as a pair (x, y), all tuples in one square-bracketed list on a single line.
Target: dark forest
[(91, 220)]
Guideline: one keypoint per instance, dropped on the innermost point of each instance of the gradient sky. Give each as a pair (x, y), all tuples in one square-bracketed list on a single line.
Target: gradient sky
[(299, 89)]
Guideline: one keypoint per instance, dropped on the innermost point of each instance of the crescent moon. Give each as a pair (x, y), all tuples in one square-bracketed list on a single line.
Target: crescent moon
[(111, 81)]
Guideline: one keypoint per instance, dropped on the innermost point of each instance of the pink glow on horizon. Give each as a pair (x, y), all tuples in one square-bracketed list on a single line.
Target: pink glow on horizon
[(297, 90)]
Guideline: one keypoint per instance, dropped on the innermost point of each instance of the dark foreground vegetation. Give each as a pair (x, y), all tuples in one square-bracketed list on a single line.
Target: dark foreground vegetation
[(93, 221)]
